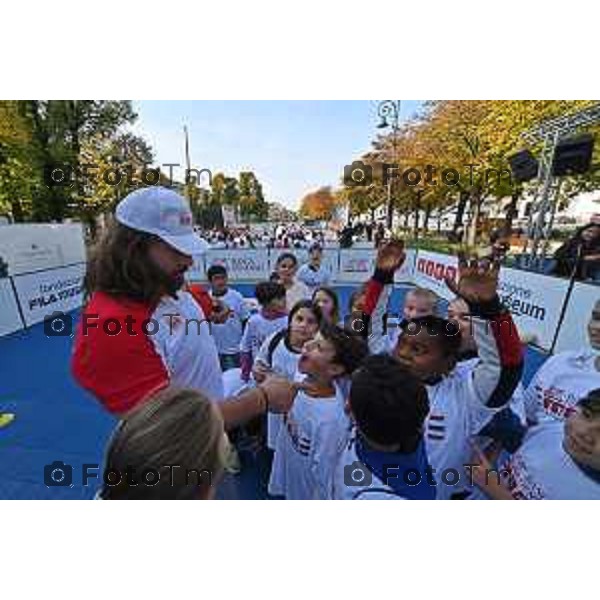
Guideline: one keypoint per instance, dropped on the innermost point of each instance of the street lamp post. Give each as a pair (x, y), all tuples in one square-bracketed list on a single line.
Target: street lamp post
[(389, 113)]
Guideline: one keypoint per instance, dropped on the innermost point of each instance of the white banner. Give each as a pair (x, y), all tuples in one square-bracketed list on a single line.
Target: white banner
[(10, 319), (241, 265), (40, 294), (38, 246), (356, 265), (405, 273), (573, 331), (535, 302), (431, 270)]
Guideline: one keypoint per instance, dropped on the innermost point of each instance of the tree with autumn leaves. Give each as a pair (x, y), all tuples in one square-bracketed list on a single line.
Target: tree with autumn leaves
[(464, 146), (319, 204)]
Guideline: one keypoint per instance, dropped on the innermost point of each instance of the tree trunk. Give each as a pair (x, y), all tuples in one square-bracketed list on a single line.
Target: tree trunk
[(476, 204), (426, 217), (511, 211), (460, 211)]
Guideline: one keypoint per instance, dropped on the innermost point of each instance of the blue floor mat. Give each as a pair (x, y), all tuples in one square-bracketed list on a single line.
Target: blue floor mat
[(58, 421)]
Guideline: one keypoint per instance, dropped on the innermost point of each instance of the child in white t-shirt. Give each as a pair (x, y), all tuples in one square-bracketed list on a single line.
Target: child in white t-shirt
[(316, 428), (313, 274), (271, 318), (281, 351), (557, 461), (463, 402), (227, 335), (565, 377), (285, 271)]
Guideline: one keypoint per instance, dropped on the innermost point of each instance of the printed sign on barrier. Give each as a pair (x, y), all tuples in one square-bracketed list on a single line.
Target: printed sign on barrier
[(573, 331), (535, 302), (197, 271), (431, 270), (34, 247), (405, 273), (356, 265), (45, 292), (241, 265), (10, 320)]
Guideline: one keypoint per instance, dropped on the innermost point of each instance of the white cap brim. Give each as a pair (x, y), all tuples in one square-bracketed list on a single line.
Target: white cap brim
[(189, 244)]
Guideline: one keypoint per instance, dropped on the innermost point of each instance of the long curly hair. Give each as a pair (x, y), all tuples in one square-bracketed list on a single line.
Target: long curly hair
[(119, 265)]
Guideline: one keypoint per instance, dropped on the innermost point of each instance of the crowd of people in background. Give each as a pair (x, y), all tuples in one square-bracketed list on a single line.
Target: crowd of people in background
[(288, 236)]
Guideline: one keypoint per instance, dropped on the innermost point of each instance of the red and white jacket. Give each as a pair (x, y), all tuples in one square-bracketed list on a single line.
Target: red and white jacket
[(126, 350)]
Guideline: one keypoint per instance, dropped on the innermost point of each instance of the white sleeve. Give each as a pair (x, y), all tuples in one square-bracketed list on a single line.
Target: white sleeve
[(300, 274), (241, 308), (378, 341), (246, 342)]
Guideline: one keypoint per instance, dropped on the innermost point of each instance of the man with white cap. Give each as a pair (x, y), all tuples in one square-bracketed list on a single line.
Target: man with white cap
[(140, 331)]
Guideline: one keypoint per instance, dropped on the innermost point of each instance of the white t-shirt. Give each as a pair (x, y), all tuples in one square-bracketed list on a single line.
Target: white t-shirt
[(229, 334), (186, 346), (455, 415), (258, 329), (284, 362), (297, 292), (313, 278), (559, 384), (517, 402), (542, 470), (308, 447)]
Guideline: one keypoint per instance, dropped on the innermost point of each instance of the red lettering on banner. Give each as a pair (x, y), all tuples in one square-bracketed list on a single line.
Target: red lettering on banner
[(436, 270)]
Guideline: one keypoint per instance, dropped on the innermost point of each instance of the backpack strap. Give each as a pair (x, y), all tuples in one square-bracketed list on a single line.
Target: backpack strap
[(273, 344)]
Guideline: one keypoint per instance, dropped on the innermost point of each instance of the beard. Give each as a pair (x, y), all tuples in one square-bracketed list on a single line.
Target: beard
[(167, 283)]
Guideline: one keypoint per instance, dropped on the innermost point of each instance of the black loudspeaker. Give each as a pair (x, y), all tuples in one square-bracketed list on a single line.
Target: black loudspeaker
[(573, 156), (523, 165)]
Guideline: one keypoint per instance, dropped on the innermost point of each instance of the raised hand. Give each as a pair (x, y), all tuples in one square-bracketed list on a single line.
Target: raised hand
[(390, 256), (477, 280)]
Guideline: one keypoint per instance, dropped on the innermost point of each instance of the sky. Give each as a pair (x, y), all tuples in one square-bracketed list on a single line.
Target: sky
[(293, 147)]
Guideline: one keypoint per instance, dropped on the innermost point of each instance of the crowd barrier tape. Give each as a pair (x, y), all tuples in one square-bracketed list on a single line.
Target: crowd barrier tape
[(10, 318), (41, 293), (573, 331)]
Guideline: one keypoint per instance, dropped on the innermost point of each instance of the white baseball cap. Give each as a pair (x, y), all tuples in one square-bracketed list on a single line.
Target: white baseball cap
[(164, 213)]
